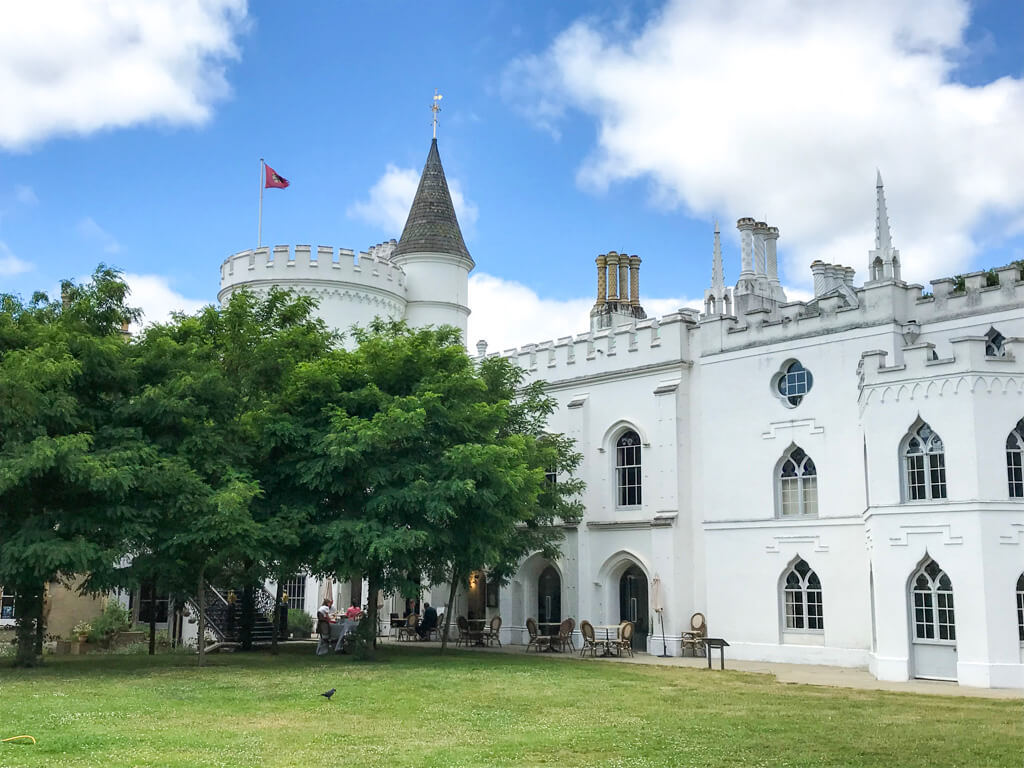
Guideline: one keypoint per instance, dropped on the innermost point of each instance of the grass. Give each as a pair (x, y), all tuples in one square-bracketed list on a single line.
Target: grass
[(415, 708)]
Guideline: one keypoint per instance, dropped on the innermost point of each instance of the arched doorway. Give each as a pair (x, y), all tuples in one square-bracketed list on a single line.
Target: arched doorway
[(933, 624), (549, 600), (633, 604)]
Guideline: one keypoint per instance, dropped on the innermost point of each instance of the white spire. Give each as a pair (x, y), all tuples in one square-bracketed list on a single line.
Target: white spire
[(717, 274), (883, 237), (884, 260)]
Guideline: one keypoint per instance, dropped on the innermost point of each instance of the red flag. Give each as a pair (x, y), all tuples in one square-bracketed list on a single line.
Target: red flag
[(274, 180)]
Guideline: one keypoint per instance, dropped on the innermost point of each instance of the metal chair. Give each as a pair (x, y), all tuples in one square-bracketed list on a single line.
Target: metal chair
[(409, 630)]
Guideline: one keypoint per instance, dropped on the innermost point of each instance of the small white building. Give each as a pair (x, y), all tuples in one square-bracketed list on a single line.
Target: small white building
[(830, 482)]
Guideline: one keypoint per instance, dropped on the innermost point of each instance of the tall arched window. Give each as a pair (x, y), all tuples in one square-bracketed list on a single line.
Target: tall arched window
[(924, 465), (1014, 465), (802, 598), (628, 470), (798, 485), (1020, 607), (933, 603)]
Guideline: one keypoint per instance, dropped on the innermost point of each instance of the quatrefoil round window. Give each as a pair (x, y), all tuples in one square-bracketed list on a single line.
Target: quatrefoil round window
[(792, 383)]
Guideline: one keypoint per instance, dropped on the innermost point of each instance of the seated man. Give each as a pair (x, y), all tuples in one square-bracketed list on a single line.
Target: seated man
[(429, 622)]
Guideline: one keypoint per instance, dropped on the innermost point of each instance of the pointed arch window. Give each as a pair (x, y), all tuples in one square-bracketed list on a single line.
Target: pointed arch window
[(924, 465), (628, 484), (802, 599), (994, 343), (1014, 463), (797, 492), (1020, 607), (934, 618)]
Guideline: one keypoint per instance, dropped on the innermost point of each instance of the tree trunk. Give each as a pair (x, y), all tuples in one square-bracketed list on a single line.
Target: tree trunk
[(448, 612), (29, 607), (201, 597), (372, 586), (277, 618), (152, 618), (41, 625)]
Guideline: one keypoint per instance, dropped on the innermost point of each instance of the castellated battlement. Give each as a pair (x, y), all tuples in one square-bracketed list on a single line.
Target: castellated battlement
[(629, 345), (372, 269), (877, 302)]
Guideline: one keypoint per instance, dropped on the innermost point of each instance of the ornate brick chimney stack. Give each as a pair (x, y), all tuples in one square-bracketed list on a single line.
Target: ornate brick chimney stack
[(618, 291)]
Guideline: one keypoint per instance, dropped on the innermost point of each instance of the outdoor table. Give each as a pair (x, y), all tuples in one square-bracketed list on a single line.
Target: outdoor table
[(715, 642), (473, 630), (607, 640), (550, 648)]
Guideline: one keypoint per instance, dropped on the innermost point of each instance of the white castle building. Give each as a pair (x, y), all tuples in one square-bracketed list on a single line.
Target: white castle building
[(837, 481)]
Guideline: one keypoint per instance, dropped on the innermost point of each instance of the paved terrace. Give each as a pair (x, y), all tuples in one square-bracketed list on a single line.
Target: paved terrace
[(805, 674)]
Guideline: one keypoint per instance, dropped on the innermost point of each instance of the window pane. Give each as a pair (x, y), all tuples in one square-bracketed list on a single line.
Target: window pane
[(789, 488), (924, 615), (810, 488), (915, 477), (814, 609), (628, 470), (1020, 610), (1014, 475), (937, 475), (794, 609), (947, 628)]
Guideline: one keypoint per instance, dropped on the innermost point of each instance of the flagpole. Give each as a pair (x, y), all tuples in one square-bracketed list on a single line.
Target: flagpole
[(259, 230)]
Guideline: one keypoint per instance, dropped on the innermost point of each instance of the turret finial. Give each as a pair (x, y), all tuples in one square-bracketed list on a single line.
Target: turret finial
[(435, 108)]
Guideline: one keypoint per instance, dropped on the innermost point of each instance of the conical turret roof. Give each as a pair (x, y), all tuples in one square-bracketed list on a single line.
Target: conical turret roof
[(432, 226)]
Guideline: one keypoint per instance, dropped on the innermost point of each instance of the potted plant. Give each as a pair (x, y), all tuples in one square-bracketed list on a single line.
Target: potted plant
[(82, 630)]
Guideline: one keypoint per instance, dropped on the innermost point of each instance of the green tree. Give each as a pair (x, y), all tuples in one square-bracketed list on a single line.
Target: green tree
[(210, 401), (69, 468), (424, 451)]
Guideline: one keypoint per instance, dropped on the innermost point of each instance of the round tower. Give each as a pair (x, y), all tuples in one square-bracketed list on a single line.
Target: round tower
[(433, 255)]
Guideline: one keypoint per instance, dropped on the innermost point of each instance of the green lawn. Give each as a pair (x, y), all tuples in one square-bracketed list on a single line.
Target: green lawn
[(415, 708)]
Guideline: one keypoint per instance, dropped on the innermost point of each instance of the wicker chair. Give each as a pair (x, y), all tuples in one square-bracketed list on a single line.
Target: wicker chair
[(694, 639), (323, 631), (565, 630), (537, 640), (624, 642), (409, 630), (493, 633), (395, 623), (463, 627), (590, 641)]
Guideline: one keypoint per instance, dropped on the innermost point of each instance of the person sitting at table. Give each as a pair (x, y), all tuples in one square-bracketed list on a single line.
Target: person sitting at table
[(354, 611), (326, 627), (410, 609), (429, 622)]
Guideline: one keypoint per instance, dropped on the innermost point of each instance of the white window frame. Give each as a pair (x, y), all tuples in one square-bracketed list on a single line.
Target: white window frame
[(932, 609), (802, 382), (295, 601), (803, 484), (1020, 608), (797, 596), (622, 485), (8, 597), (929, 462), (1015, 461)]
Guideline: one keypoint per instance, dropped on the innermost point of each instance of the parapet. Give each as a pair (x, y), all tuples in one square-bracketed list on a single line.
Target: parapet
[(924, 374), (878, 302), (282, 264), (626, 346)]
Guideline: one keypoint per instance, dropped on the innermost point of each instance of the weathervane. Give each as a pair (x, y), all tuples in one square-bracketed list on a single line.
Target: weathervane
[(435, 108)]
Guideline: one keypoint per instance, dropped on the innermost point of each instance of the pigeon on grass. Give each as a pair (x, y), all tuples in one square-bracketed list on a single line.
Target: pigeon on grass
[(327, 694)]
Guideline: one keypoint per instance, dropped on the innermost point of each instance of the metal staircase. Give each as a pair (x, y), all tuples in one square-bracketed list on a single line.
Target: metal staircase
[(223, 618)]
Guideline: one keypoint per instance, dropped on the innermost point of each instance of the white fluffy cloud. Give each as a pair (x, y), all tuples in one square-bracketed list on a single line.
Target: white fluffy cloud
[(25, 195), (68, 67), (11, 264), (784, 109), (391, 197), (157, 299), (93, 232), (509, 314)]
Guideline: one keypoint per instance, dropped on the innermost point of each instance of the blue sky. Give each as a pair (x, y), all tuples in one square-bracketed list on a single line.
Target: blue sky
[(568, 129)]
